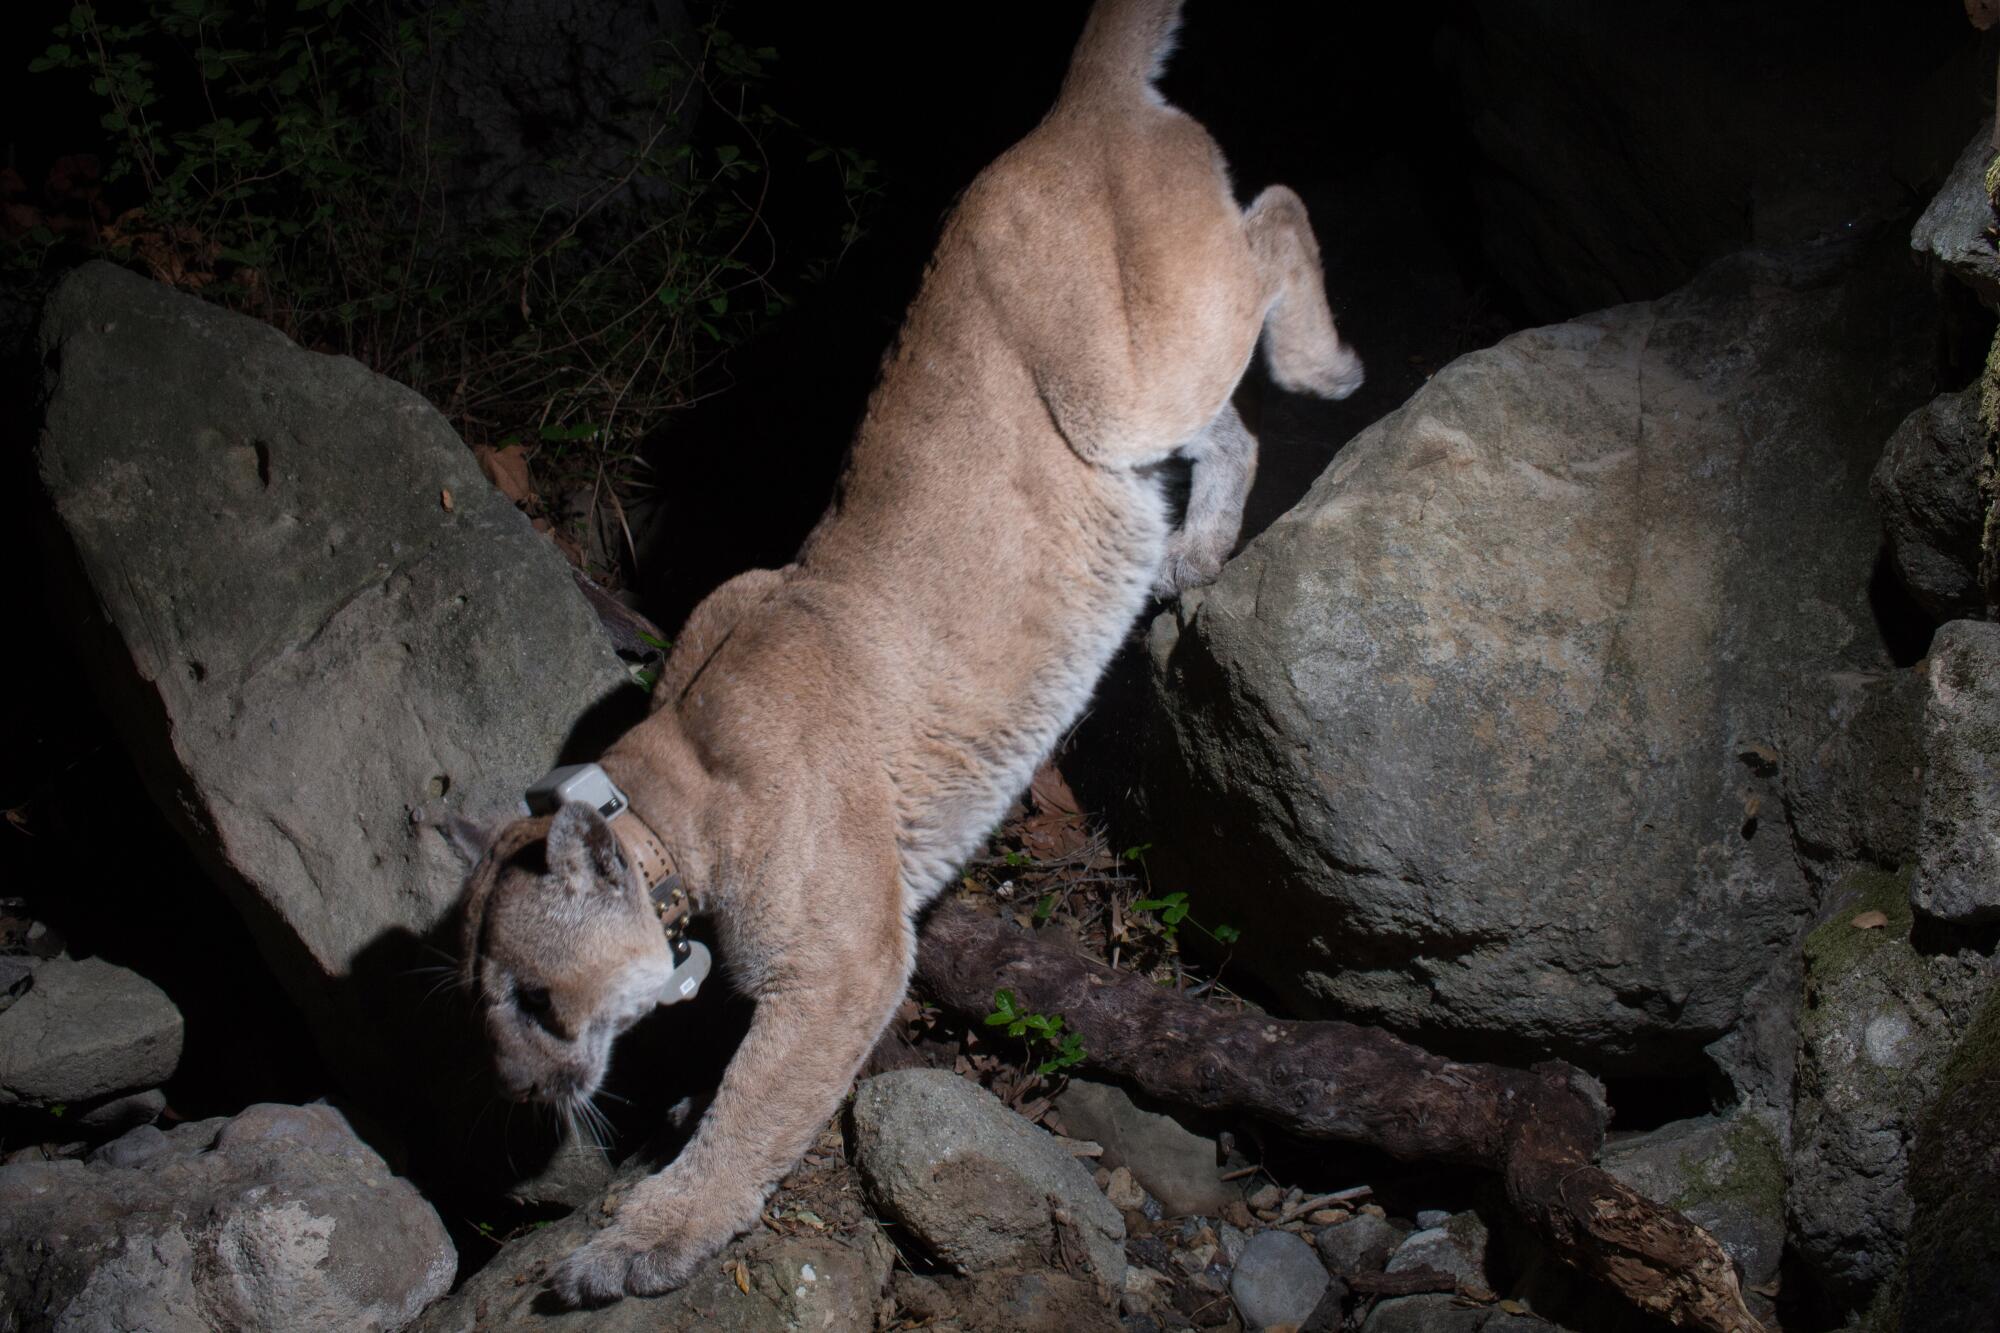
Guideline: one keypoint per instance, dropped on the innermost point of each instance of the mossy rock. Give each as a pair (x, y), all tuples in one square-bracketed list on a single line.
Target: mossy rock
[(1953, 1275), (1880, 1015)]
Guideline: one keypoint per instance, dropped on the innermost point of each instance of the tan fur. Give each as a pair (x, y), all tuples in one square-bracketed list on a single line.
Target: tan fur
[(831, 740)]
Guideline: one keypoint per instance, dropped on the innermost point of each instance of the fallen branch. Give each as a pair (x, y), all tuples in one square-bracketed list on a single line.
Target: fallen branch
[(1538, 1128)]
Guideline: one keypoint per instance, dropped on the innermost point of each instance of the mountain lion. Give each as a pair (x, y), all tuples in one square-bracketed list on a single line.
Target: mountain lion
[(829, 741)]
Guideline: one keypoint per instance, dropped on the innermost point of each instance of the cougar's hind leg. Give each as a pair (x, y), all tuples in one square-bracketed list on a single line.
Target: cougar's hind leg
[(1300, 343), (1225, 463)]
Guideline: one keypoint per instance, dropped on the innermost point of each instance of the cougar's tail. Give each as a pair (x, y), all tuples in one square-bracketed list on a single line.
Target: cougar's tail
[(1124, 47)]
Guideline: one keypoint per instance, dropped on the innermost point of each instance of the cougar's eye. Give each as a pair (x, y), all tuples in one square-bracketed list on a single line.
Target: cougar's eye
[(532, 1000)]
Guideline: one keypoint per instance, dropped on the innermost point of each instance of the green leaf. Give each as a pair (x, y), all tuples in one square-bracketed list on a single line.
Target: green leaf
[(1003, 1009), (1044, 907), (1227, 934), (653, 640)]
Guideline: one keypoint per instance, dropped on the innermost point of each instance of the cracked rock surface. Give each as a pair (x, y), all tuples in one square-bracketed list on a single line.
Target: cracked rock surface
[(277, 1218)]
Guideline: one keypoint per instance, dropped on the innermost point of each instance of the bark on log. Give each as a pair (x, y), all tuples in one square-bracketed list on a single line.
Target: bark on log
[(1538, 1128)]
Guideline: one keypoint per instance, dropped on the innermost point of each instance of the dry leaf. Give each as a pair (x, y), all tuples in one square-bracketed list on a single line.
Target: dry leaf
[(1870, 920), (444, 498), (743, 1277), (507, 469), (1513, 1307), (1051, 793)]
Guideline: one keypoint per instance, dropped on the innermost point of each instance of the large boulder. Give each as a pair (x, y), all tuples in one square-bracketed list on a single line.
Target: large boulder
[(1485, 739), (277, 1219), (319, 629), (86, 1031), (1881, 1015), (1957, 875), (1932, 513)]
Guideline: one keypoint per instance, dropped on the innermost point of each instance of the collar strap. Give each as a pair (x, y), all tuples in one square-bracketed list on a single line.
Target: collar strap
[(587, 784)]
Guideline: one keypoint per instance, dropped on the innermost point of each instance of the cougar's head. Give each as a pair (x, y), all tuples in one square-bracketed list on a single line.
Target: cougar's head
[(562, 951)]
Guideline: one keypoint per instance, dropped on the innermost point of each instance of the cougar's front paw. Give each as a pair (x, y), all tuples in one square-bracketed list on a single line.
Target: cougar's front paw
[(1188, 565), (655, 1244)]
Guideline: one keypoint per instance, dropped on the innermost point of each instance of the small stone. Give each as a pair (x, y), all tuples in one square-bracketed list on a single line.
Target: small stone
[(1362, 1244), (1195, 1258), (1266, 1198), (1457, 1247), (1123, 1191), (1432, 1217), (122, 1113), (1231, 1240), (1277, 1280), (1326, 1217), (1373, 1210), (921, 1298), (1237, 1214)]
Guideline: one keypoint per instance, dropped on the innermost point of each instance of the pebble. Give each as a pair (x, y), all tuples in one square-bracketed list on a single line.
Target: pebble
[(1362, 1244), (1326, 1217), (1266, 1198), (1277, 1280), (1123, 1191)]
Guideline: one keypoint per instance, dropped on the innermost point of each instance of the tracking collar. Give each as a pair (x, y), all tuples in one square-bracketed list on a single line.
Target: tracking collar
[(587, 784)]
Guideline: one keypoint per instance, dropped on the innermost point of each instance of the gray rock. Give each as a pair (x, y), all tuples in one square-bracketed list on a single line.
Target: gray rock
[(1176, 1165), (279, 1218), (1878, 1020), (1932, 514), (796, 1282), (1457, 1247), (1953, 1268), (86, 1029), (1277, 1280), (973, 1182), (1958, 844), (1726, 1173), (1490, 718), (1432, 1217), (310, 653), (1361, 1244), (1440, 1313), (123, 1113), (1952, 231)]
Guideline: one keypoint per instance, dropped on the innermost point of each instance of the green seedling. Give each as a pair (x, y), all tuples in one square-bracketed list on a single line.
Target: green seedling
[(1173, 910), (1043, 1031)]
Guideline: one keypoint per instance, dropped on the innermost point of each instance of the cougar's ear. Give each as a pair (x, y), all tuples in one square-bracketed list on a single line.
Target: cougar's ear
[(582, 846), (468, 839), (501, 849)]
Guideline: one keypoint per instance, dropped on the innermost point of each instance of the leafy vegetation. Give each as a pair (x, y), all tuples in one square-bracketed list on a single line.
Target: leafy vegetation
[(280, 157), (1041, 1031)]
